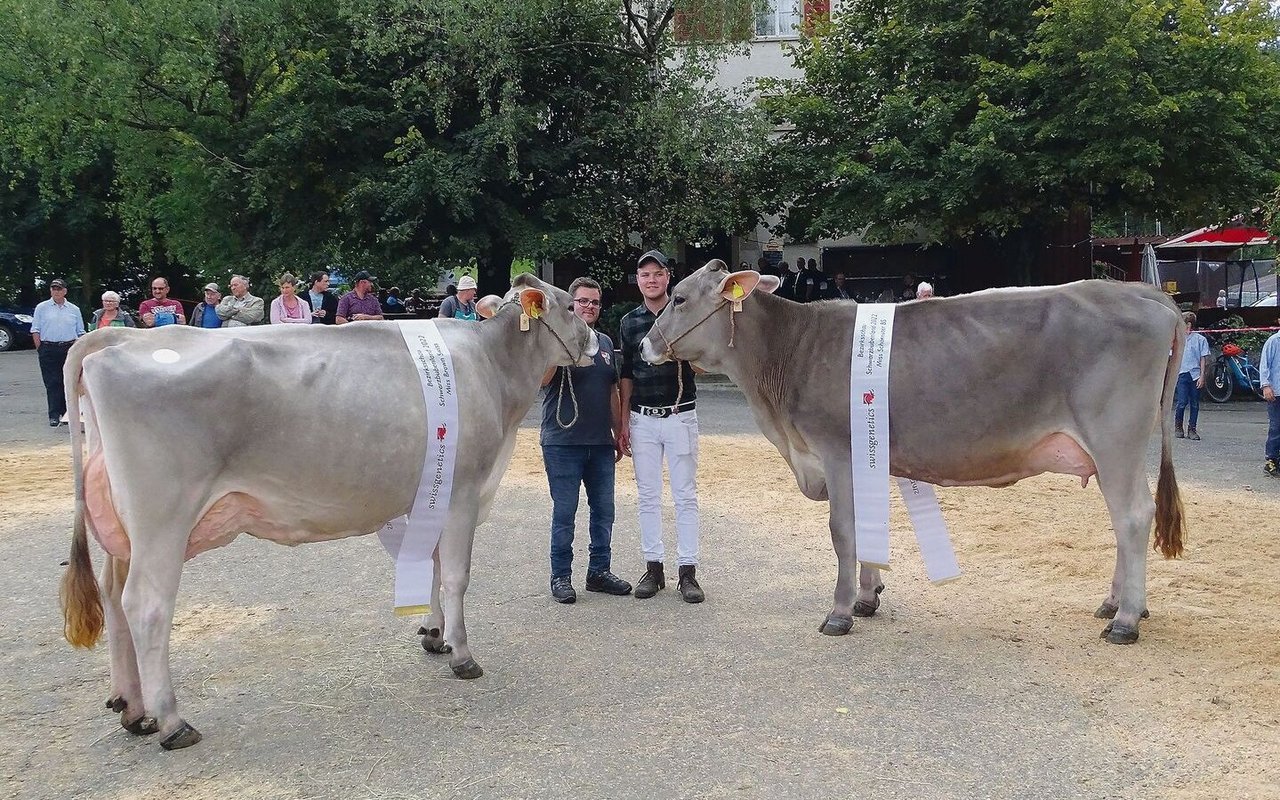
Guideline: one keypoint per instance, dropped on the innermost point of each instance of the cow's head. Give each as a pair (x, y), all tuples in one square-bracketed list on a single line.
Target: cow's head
[(548, 311), (696, 325)]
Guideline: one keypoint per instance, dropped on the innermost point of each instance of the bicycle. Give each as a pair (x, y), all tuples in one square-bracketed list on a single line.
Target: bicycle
[(1232, 371)]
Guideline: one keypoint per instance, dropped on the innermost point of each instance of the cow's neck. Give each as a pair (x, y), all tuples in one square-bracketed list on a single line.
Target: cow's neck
[(521, 357), (770, 334)]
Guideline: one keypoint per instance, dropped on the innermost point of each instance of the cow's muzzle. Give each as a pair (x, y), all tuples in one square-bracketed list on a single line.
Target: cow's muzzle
[(650, 353)]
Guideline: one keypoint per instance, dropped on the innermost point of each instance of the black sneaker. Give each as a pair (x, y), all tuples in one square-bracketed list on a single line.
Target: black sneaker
[(562, 590), (1178, 434), (1192, 435), (1271, 468), (608, 583), (53, 422)]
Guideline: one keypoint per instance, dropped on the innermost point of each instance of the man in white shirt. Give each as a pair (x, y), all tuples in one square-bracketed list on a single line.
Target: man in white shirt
[(55, 326), (1195, 363)]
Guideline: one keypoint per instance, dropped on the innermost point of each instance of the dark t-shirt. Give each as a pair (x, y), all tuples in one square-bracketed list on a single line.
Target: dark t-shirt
[(593, 386)]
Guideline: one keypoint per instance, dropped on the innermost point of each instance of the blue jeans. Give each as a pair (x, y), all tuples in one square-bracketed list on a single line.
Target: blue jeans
[(1273, 430), (1186, 394), (568, 467)]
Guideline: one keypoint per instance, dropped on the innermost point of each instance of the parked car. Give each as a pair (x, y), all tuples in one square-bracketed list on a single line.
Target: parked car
[(1269, 300), (15, 329)]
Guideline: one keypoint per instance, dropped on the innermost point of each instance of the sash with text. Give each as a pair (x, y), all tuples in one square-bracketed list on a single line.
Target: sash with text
[(411, 539), (869, 448)]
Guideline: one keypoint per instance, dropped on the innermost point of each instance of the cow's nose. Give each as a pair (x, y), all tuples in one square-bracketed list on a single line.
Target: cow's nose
[(650, 353), (593, 347)]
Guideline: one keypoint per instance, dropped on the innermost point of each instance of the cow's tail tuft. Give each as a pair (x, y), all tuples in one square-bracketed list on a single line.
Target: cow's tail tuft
[(1171, 523), (81, 600)]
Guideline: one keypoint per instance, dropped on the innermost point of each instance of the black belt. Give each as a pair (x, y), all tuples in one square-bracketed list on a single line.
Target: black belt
[(661, 412), (58, 344)]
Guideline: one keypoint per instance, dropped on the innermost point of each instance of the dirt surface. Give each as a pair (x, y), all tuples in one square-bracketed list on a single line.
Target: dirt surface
[(995, 686)]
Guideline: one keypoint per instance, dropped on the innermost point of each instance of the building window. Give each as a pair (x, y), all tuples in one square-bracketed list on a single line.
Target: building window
[(779, 19)]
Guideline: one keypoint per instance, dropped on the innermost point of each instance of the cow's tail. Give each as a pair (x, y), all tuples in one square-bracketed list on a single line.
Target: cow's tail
[(1171, 523), (81, 600)]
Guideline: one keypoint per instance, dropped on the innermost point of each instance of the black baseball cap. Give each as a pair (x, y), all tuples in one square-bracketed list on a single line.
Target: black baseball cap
[(653, 255), (58, 283), (363, 276)]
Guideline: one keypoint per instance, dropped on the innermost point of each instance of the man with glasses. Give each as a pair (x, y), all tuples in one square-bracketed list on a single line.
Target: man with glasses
[(662, 423), (55, 326), (581, 416), (160, 310)]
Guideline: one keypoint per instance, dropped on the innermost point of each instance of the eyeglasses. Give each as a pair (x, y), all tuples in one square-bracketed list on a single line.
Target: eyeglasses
[(158, 289), (582, 301)]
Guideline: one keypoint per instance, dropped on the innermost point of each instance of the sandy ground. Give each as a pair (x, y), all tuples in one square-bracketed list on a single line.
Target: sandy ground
[(992, 686)]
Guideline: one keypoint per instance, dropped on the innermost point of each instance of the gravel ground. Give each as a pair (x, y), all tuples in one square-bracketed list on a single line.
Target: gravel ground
[(305, 686)]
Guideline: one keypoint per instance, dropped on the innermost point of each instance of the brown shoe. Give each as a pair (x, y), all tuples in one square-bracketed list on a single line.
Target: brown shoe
[(651, 581), (689, 588)]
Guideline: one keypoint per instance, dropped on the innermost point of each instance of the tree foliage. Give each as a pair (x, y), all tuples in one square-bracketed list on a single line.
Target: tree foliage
[(956, 120), (200, 138)]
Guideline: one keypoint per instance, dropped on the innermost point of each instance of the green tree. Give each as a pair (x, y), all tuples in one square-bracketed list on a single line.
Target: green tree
[(958, 120)]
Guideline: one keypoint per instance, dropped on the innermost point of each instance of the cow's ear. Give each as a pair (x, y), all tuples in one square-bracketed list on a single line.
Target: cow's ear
[(737, 285), (488, 305), (768, 283), (533, 301), (716, 265)]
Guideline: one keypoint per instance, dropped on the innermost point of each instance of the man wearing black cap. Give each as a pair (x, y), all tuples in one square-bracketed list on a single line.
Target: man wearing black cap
[(662, 422), (361, 303), (55, 326)]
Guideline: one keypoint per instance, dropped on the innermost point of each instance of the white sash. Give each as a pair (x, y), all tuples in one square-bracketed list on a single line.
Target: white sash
[(411, 540), (869, 449)]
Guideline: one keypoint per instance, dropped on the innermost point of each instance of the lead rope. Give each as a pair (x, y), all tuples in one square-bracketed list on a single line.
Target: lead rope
[(671, 343), (564, 379)]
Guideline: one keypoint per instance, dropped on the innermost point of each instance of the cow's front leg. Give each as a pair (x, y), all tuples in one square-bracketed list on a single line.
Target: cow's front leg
[(455, 574), (149, 596), (432, 631), (125, 695), (840, 620), (870, 586)]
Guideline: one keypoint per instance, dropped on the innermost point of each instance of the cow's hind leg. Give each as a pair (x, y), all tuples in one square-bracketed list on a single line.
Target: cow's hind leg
[(455, 575), (149, 596), (125, 697), (1128, 497), (840, 492), (432, 631)]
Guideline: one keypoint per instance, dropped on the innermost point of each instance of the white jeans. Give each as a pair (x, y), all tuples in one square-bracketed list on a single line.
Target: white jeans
[(676, 437)]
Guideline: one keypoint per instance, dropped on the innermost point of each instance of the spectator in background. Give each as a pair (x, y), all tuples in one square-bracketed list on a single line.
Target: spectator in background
[(1195, 363), (393, 304), (925, 289), (205, 314), (787, 288), (110, 315), (414, 304), (360, 304), (1269, 372), (160, 310), (838, 290), (240, 308), (324, 303), (288, 307), (1222, 298), (55, 326), (463, 304), (908, 291)]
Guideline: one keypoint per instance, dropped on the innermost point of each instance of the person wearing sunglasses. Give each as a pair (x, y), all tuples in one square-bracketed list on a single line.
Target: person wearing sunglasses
[(581, 415)]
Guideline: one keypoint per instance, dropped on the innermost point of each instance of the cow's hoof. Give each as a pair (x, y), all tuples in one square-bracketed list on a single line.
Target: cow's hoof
[(468, 669), (835, 626), (433, 642), (865, 609), (182, 737), (1119, 634), (117, 704), (142, 726)]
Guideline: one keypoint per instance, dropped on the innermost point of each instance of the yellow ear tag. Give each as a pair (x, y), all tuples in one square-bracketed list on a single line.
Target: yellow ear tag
[(524, 322), (738, 294), (535, 311)]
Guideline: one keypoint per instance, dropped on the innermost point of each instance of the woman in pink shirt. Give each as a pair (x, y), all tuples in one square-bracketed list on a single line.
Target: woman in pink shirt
[(288, 307)]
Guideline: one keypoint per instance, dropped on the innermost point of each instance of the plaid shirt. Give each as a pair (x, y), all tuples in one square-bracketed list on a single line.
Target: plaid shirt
[(653, 386)]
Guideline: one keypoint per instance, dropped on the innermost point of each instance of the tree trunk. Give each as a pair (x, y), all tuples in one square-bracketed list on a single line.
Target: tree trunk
[(495, 269)]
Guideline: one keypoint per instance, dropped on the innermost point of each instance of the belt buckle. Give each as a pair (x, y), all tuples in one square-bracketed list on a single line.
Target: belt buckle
[(654, 411)]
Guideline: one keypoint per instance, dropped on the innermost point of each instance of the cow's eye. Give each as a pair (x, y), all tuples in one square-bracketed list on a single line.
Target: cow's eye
[(678, 300)]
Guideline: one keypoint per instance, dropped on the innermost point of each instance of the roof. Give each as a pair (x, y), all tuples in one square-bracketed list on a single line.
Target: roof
[(1228, 237)]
